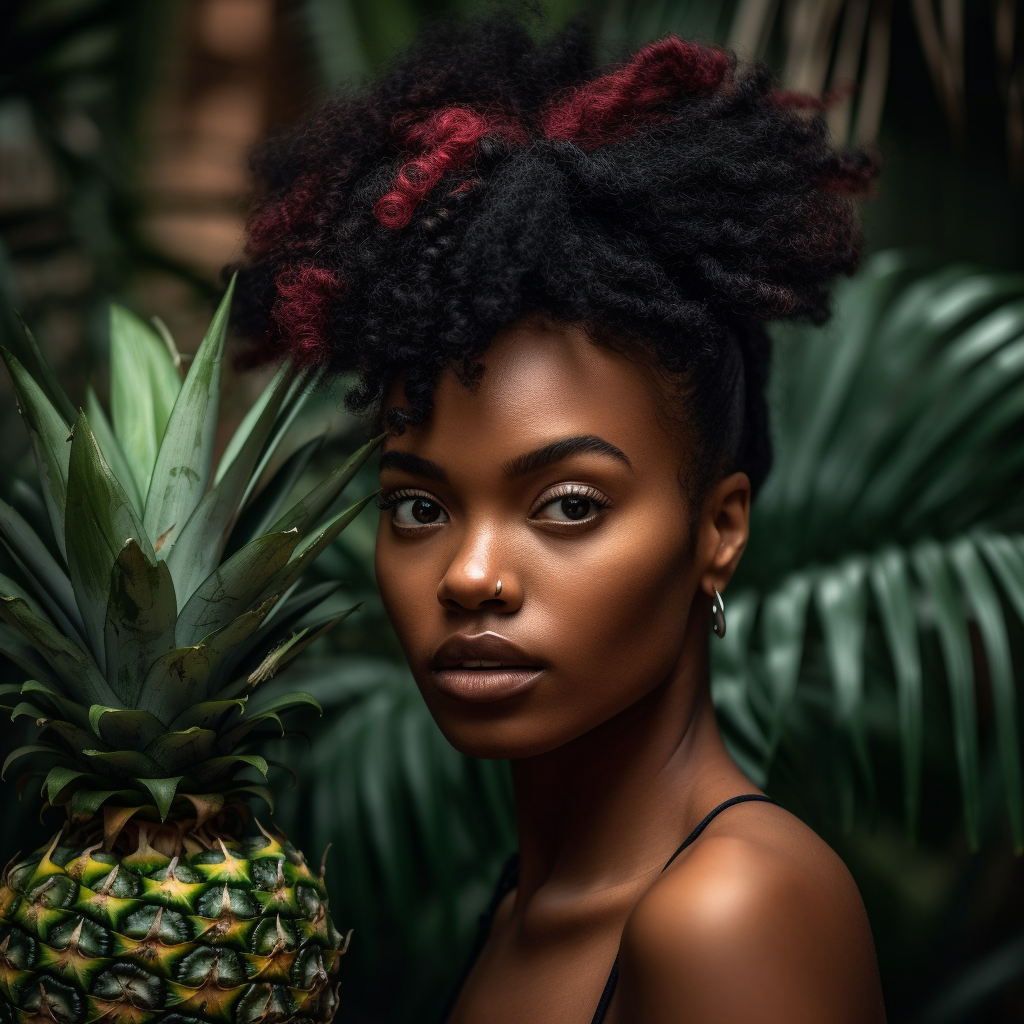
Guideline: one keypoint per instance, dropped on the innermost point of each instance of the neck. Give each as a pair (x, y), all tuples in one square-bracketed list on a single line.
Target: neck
[(613, 804)]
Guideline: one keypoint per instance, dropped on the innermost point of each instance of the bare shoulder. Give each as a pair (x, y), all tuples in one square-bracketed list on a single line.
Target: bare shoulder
[(759, 921)]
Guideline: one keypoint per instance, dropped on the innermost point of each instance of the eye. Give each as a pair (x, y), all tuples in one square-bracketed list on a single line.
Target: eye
[(411, 511), (570, 504)]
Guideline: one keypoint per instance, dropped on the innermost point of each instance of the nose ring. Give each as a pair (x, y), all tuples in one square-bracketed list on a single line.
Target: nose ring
[(497, 589)]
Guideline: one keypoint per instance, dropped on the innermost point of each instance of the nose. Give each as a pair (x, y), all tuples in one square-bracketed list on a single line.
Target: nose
[(473, 577)]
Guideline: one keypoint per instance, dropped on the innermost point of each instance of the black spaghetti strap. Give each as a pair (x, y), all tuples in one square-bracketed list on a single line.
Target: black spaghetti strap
[(510, 878), (710, 817), (613, 977)]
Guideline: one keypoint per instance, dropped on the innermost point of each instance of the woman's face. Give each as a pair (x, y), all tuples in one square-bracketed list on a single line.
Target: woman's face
[(557, 476)]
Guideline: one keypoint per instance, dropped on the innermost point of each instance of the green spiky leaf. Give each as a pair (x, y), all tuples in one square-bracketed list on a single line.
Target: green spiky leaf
[(48, 432), (184, 462), (140, 620), (70, 663), (201, 540), (53, 586), (110, 447), (163, 791), (144, 387), (236, 586), (102, 521)]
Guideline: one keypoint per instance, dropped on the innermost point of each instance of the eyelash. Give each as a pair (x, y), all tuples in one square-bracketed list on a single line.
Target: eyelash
[(389, 502), (571, 491)]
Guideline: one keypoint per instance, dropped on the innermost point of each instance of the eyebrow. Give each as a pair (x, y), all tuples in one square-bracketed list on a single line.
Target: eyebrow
[(413, 464), (563, 448), (521, 465)]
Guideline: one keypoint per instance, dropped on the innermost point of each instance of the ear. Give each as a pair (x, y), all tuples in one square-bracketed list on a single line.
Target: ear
[(724, 529)]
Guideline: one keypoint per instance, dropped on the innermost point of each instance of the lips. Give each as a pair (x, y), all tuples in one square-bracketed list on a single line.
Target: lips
[(483, 667)]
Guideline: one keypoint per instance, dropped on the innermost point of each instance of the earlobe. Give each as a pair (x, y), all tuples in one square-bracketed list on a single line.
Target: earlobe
[(728, 509)]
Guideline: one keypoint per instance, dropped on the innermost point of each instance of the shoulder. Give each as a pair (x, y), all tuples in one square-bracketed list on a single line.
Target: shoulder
[(758, 921)]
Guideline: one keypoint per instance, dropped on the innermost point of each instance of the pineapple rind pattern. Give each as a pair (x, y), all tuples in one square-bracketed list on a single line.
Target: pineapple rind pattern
[(251, 943), (156, 596)]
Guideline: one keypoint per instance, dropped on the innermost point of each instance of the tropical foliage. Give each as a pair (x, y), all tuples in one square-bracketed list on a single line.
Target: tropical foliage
[(872, 663), (150, 606)]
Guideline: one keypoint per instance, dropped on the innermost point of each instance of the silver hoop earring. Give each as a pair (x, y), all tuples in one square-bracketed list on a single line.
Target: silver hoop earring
[(497, 589), (718, 611)]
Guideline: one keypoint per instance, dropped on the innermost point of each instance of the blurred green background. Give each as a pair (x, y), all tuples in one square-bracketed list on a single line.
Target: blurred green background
[(871, 675)]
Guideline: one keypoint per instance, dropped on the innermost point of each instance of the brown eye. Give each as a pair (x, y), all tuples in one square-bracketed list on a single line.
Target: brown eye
[(425, 511), (575, 507), (413, 512), (572, 506)]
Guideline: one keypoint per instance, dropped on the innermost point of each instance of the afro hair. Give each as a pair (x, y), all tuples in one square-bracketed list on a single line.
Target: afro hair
[(672, 201)]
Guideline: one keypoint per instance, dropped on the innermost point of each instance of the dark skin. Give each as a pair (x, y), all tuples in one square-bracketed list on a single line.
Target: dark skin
[(560, 475)]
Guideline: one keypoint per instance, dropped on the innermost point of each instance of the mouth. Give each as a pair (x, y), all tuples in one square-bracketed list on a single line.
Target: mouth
[(483, 667)]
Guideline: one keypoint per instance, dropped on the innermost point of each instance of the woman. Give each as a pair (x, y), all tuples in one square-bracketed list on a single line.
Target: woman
[(552, 281)]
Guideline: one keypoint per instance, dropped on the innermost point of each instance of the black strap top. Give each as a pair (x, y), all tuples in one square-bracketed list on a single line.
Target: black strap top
[(510, 878)]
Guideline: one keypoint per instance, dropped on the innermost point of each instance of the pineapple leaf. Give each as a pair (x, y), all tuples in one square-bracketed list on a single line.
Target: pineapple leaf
[(58, 779), (15, 647), (144, 385), (103, 519), (254, 789), (219, 767), (140, 621), (269, 712), (32, 359), (130, 729), (29, 748), (304, 514), (86, 802), (130, 764), (163, 792), (24, 709), (286, 654), (199, 543), (64, 705), (302, 387), (933, 571), (260, 512), (207, 714), (264, 409), (284, 617), (271, 663), (184, 462), (71, 734), (75, 669), (175, 681), (175, 751), (113, 453), (235, 586), (48, 433), (314, 545), (8, 690), (34, 558), (229, 644)]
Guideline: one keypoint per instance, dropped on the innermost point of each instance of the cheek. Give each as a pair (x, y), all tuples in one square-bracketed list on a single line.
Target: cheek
[(401, 588), (619, 609)]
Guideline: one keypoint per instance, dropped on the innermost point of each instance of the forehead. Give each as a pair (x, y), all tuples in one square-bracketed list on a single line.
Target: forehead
[(541, 381)]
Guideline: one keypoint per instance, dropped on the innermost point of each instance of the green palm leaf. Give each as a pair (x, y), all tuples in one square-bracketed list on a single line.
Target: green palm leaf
[(898, 470)]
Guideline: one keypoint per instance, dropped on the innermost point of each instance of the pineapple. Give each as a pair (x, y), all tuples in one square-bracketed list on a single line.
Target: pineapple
[(148, 629)]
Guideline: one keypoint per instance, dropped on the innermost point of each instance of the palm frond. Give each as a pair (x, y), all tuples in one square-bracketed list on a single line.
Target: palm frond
[(894, 507)]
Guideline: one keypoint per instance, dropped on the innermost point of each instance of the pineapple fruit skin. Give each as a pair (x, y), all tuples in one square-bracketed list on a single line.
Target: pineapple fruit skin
[(237, 933)]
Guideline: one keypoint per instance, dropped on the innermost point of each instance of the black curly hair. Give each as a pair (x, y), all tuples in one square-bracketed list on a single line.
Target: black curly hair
[(669, 204)]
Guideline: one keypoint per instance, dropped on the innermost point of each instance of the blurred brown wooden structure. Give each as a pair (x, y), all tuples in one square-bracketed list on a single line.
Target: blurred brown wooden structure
[(231, 73)]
